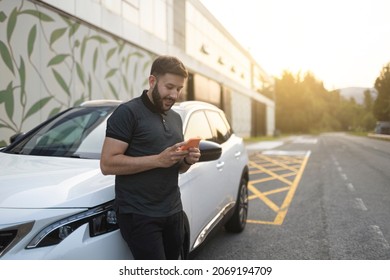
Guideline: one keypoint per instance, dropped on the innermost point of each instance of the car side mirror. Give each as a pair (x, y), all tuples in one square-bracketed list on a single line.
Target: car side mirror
[(209, 151)]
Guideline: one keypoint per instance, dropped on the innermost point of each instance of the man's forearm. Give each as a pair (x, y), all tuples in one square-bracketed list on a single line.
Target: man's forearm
[(127, 165)]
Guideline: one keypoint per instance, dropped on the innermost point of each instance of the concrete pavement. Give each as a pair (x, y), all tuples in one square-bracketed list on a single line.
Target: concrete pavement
[(263, 145)]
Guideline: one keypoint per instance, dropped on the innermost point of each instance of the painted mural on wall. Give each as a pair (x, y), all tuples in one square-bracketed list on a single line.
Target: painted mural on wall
[(50, 62)]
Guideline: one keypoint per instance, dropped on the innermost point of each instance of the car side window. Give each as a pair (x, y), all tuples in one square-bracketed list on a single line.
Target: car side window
[(220, 127), (198, 126)]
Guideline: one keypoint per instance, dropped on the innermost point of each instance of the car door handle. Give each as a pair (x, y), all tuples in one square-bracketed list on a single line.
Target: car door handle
[(237, 154), (220, 165)]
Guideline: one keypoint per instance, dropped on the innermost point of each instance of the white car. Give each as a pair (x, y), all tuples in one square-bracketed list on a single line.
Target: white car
[(56, 204)]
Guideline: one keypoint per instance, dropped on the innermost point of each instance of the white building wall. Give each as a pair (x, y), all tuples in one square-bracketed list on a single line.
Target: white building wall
[(270, 115), (148, 25), (141, 22), (214, 48), (241, 114)]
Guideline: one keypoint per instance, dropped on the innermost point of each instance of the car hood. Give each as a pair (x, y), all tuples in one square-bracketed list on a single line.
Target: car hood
[(52, 182)]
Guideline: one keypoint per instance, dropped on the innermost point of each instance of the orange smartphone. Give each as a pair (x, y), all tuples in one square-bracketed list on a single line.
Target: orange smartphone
[(191, 143)]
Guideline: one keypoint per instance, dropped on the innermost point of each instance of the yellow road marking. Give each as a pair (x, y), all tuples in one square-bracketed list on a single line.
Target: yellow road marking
[(279, 190), (290, 189), (264, 198), (272, 174), (279, 163), (286, 203), (262, 180)]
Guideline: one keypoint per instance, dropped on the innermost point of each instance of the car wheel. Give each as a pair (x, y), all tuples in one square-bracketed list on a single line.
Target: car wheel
[(238, 221)]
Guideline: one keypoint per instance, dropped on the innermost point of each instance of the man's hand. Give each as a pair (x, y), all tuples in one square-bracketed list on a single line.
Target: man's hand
[(193, 156), (172, 155)]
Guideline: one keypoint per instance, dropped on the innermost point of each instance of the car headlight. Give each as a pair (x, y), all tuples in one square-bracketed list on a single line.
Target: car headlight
[(101, 219)]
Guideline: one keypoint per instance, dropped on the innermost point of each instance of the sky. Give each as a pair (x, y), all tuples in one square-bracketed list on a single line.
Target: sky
[(343, 43)]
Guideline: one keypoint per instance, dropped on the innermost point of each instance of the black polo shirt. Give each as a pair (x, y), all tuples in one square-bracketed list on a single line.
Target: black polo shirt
[(154, 192)]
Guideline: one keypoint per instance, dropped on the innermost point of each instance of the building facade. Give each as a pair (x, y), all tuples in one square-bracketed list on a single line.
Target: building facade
[(56, 54)]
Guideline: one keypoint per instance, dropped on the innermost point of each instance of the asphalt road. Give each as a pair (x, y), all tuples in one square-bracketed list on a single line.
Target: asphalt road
[(317, 198)]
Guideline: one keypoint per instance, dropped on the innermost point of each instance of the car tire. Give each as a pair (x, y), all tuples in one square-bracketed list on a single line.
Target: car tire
[(237, 222)]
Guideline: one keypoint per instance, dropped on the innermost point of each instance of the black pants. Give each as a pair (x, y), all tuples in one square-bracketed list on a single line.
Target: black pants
[(151, 238)]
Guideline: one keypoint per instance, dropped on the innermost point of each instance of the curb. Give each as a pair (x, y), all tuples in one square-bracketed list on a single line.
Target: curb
[(379, 136)]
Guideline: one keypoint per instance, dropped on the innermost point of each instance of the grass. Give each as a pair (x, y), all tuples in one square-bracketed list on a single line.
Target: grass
[(358, 133), (249, 140)]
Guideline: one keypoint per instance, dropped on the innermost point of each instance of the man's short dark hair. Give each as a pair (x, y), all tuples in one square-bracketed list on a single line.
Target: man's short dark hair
[(168, 64)]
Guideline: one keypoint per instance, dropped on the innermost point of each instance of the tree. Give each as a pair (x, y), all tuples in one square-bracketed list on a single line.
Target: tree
[(367, 120), (289, 105), (382, 102), (305, 106), (301, 104), (368, 100)]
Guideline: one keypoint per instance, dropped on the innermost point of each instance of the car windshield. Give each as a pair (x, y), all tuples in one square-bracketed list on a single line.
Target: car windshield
[(77, 133)]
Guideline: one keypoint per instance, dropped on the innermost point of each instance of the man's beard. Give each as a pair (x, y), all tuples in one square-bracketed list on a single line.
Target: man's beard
[(158, 101)]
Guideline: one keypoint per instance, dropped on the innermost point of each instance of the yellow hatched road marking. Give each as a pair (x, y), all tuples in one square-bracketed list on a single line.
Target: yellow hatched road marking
[(279, 190), (280, 163), (271, 173), (264, 198), (291, 187)]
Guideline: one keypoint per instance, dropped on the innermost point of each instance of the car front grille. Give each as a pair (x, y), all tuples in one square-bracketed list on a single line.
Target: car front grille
[(12, 235)]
